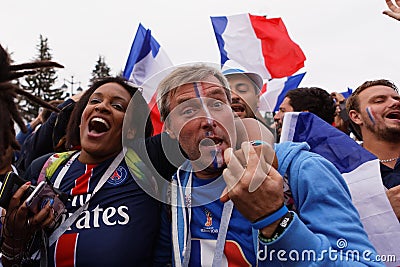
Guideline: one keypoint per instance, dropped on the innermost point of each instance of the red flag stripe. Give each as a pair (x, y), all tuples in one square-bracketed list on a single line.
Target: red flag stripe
[(282, 56)]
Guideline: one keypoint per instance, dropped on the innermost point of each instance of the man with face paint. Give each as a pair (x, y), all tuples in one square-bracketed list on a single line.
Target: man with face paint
[(374, 110), (229, 208)]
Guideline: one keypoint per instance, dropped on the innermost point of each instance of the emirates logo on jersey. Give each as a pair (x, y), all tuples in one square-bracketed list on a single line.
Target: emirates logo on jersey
[(118, 177)]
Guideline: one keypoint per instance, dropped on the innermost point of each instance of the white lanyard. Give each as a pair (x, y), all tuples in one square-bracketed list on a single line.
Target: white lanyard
[(223, 228), (64, 170)]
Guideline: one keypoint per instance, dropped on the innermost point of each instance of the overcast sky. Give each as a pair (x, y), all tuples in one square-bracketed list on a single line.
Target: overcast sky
[(345, 41)]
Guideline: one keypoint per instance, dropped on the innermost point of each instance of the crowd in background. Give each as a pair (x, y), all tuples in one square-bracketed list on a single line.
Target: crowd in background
[(216, 184)]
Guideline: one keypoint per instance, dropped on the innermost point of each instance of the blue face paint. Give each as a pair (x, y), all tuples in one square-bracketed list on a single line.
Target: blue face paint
[(217, 158), (371, 117), (198, 90), (217, 153)]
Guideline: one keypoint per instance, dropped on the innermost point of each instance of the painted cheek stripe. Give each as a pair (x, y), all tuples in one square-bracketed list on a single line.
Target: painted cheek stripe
[(370, 114)]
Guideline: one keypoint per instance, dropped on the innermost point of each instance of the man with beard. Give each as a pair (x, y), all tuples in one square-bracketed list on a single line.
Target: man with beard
[(374, 110)]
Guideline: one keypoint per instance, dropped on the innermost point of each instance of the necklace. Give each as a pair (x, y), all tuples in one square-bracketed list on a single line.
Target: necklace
[(388, 160)]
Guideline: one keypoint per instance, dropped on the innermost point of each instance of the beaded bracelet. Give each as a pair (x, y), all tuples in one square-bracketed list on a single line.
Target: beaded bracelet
[(268, 220)]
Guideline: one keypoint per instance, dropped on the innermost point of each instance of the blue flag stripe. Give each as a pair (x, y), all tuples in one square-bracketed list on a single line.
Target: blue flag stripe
[(219, 25), (348, 93), (142, 44), (331, 143), (291, 83)]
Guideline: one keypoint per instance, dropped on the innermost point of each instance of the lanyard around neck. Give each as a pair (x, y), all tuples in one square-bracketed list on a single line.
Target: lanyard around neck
[(222, 232), (70, 220)]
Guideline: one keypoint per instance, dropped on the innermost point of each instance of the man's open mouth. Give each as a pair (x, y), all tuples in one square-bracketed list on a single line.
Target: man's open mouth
[(394, 115), (238, 107)]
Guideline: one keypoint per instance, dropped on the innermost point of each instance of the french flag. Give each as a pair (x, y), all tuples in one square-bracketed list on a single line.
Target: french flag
[(145, 60), (361, 171), (274, 91), (258, 44)]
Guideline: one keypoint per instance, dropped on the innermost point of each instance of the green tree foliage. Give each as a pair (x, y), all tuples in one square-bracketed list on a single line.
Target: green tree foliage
[(101, 69), (40, 84)]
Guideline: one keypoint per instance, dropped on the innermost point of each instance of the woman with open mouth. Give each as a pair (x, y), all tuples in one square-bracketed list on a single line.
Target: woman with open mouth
[(109, 220)]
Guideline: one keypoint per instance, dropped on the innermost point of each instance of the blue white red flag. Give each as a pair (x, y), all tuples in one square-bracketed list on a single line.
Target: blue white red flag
[(258, 44), (361, 171), (145, 60), (274, 91)]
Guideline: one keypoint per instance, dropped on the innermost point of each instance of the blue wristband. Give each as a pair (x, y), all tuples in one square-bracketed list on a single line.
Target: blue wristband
[(270, 219)]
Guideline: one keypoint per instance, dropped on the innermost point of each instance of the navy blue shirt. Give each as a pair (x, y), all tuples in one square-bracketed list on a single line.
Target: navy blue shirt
[(390, 177), (120, 226)]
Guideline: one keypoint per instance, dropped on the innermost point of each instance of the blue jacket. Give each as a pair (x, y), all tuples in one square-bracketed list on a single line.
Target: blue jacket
[(326, 227)]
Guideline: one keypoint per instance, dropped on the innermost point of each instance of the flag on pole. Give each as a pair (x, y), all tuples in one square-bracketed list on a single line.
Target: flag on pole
[(361, 171), (274, 91), (258, 44), (145, 60)]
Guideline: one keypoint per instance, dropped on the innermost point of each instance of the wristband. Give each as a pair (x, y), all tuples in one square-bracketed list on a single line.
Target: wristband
[(283, 224), (264, 222)]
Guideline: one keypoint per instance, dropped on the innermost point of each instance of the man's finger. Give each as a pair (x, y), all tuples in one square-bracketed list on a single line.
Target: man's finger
[(232, 177), (224, 196), (259, 174)]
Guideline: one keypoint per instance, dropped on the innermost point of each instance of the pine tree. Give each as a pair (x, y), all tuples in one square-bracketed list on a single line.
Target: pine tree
[(101, 70), (40, 84)]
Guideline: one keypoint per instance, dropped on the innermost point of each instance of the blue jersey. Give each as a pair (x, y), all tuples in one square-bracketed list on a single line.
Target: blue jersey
[(118, 228), (205, 224)]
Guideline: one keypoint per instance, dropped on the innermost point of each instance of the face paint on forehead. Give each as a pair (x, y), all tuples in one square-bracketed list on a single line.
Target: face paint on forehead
[(198, 89), (370, 114)]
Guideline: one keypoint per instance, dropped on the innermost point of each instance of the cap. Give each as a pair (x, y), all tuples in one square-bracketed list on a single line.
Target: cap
[(254, 77)]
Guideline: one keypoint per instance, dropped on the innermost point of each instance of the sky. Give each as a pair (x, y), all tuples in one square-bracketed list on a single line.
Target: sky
[(346, 42)]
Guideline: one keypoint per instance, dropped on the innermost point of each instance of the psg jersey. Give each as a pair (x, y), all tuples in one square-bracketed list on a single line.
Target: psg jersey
[(119, 227)]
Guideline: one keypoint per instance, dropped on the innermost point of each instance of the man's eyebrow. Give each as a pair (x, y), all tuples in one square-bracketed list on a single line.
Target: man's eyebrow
[(181, 100)]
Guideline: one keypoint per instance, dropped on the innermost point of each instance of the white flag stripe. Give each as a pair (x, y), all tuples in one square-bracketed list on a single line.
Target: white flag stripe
[(239, 33)]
